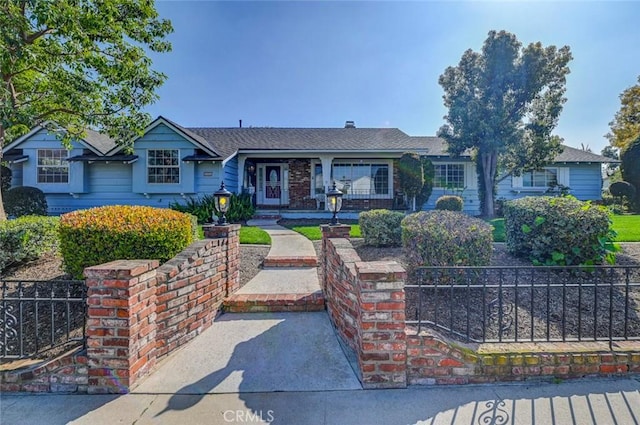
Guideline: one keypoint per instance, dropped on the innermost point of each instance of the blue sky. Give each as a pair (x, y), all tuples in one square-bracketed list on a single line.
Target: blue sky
[(318, 64)]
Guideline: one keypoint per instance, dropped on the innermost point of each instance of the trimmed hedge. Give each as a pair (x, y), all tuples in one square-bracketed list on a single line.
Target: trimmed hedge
[(99, 235), (449, 203), (26, 239), (558, 231), (381, 227), (24, 200), (446, 238)]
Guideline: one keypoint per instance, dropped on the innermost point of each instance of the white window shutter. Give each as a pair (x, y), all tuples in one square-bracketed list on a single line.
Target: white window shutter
[(563, 176), (516, 181)]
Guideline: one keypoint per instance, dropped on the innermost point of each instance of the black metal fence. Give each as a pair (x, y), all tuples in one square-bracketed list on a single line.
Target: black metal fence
[(528, 304), (39, 316)]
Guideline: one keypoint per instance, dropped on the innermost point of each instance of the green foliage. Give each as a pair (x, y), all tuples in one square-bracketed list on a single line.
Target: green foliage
[(25, 200), (5, 178), (449, 203), (381, 227), (630, 158), (410, 173), (623, 189), (504, 102), (240, 208), (103, 234), (73, 65), (27, 238), (429, 172), (559, 231), (445, 238), (625, 127)]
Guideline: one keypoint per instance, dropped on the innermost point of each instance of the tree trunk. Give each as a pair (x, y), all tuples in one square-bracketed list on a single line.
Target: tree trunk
[(489, 168), (3, 215)]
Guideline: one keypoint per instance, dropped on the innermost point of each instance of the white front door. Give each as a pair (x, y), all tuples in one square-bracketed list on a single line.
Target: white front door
[(272, 184)]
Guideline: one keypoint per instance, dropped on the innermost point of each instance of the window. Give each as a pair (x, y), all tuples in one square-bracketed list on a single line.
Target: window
[(318, 180), (540, 178), (449, 176), (53, 166), (362, 178), (163, 166)]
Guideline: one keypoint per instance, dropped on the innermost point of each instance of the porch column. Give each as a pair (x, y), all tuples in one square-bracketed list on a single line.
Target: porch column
[(326, 171), (241, 161)]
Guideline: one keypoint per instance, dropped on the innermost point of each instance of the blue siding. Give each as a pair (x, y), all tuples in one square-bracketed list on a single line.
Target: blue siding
[(231, 175), (207, 178), (585, 183)]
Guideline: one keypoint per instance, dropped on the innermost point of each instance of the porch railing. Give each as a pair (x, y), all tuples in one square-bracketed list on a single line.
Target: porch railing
[(38, 316), (527, 304)]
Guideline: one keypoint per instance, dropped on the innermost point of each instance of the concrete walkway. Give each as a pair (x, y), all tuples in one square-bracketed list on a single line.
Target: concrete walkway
[(584, 402), (288, 280)]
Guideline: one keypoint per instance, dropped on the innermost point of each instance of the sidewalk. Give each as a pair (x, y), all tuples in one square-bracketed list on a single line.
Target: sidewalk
[(581, 402)]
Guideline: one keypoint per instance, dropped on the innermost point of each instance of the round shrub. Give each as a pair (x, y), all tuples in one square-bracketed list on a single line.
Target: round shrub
[(381, 227), (558, 231), (623, 188), (5, 178), (445, 238), (27, 238), (24, 200), (103, 234), (449, 203)]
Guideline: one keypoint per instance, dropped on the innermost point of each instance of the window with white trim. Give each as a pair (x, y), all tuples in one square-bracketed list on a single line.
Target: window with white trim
[(163, 166), (53, 166), (449, 176), (360, 178), (547, 177)]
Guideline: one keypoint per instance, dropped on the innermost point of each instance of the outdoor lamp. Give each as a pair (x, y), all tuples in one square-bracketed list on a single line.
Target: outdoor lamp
[(334, 202), (221, 200)]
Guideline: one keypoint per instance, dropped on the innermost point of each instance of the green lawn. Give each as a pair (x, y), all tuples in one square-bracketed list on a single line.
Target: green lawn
[(254, 236), (313, 232), (627, 227)]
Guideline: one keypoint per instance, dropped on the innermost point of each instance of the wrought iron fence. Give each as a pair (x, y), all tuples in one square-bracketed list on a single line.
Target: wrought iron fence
[(38, 316), (528, 304)]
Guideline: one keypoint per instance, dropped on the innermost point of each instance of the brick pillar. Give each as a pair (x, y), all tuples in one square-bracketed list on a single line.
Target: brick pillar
[(231, 247), (330, 232), (121, 328), (382, 340)]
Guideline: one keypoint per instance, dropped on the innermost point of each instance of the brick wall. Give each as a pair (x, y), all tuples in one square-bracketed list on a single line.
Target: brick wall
[(365, 301), (366, 305), (139, 312)]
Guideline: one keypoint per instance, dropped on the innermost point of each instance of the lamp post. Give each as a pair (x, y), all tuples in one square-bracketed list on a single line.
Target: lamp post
[(334, 202), (221, 199)]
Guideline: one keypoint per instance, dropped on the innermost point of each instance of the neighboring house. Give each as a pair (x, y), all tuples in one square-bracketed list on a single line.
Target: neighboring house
[(286, 169)]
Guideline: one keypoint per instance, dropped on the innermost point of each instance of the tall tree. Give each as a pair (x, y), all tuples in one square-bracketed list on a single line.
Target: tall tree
[(79, 64), (625, 127), (503, 104)]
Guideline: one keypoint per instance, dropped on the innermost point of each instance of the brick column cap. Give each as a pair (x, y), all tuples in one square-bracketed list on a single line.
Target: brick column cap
[(121, 268)]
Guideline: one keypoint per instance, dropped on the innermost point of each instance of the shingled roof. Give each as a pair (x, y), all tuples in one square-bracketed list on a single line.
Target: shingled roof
[(227, 141)]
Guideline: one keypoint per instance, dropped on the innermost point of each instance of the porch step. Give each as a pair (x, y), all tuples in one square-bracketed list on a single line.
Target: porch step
[(261, 303), (289, 261)]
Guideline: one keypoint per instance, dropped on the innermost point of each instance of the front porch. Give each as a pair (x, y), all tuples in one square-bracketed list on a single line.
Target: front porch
[(297, 186)]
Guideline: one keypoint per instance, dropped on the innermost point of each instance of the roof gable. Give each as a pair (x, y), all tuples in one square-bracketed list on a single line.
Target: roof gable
[(96, 142)]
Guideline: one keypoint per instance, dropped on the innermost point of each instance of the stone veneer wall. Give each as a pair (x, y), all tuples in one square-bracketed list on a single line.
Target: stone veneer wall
[(366, 304), (139, 312)]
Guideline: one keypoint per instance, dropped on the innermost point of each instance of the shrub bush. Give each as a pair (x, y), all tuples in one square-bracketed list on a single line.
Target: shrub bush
[(558, 231), (449, 203), (240, 208), (103, 234), (381, 227), (445, 238), (26, 239), (623, 188), (5, 178), (24, 200)]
